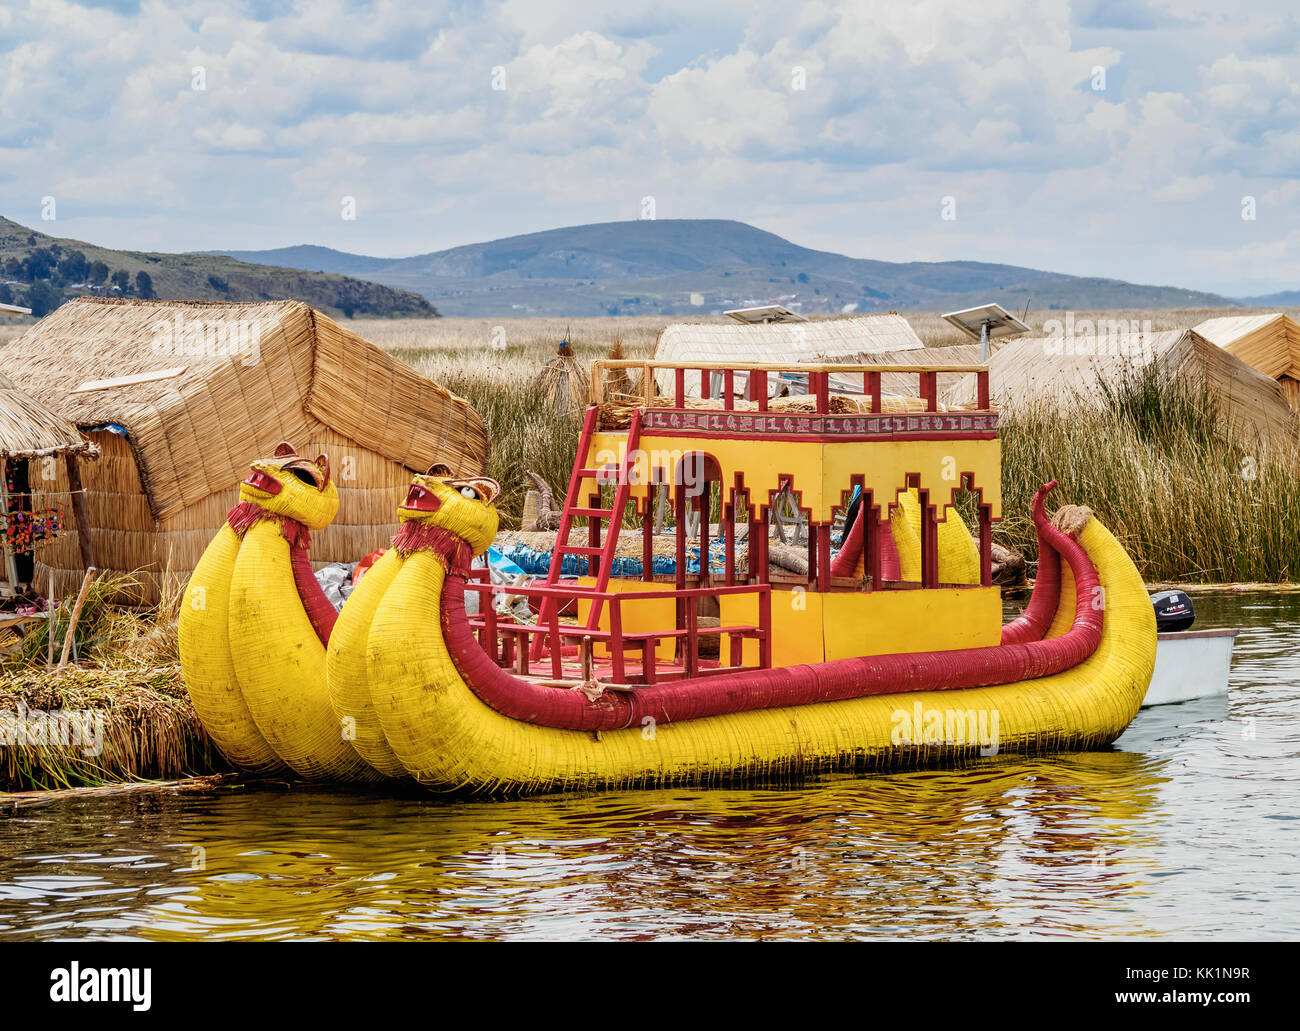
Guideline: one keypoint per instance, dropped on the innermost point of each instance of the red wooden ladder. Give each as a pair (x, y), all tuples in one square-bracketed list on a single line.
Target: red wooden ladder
[(604, 551)]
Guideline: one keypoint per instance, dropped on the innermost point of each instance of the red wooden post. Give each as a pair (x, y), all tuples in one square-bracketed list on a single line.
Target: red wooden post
[(823, 385), (702, 506), (557, 646), (929, 542), (648, 533), (986, 547), (593, 533), (680, 514), (871, 540), (728, 531), (616, 637), (679, 388), (705, 386), (734, 654), (728, 390), (930, 390), (873, 388), (521, 655), (692, 657), (758, 389), (648, 659), (765, 629), (982, 387)]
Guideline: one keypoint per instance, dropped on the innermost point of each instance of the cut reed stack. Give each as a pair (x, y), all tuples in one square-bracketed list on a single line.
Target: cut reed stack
[(563, 381)]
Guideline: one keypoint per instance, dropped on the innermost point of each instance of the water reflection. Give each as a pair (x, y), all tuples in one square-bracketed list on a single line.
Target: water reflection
[(1185, 828)]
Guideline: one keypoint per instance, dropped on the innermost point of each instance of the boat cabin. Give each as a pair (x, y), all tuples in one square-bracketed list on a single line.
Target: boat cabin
[(703, 467)]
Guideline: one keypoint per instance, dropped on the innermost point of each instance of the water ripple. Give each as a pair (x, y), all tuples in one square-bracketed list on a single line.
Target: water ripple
[(1186, 828)]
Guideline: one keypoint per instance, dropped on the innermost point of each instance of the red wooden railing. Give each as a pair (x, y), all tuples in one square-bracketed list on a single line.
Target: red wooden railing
[(512, 644), (757, 372)]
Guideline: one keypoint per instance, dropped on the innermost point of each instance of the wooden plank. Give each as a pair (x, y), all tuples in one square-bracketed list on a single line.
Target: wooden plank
[(127, 381)]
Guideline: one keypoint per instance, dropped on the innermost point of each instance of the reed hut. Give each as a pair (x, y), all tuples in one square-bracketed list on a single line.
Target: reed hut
[(1063, 372), (1269, 343), (828, 340), (37, 449), (179, 396)]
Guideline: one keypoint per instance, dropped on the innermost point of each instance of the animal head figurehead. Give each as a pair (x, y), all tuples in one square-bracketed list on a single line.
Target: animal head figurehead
[(462, 506), (294, 487)]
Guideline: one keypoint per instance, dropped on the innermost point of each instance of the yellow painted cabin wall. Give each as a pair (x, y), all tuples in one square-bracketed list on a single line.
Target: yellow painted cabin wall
[(639, 616), (811, 627), (822, 472)]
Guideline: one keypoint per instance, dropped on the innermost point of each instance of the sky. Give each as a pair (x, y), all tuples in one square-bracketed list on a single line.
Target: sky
[(1133, 139)]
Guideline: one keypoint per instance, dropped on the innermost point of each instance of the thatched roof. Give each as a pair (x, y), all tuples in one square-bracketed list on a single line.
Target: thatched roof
[(28, 428), (1036, 370), (200, 388), (1269, 343), (821, 341), (907, 384)]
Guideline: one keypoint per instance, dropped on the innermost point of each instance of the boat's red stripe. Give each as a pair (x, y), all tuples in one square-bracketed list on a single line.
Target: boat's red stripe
[(320, 610), (790, 685), (1032, 624)]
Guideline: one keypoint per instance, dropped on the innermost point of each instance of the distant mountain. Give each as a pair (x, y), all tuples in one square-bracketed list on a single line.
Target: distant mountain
[(1285, 299), (38, 271), (309, 256), (683, 266)]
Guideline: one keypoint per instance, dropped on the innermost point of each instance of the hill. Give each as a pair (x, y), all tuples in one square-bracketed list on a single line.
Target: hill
[(38, 271), (683, 266)]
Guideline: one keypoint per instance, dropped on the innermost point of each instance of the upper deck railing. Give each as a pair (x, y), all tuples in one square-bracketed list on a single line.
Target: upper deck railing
[(756, 381)]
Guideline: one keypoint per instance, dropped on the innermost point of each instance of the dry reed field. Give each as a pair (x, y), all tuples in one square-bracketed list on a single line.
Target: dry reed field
[(1156, 463)]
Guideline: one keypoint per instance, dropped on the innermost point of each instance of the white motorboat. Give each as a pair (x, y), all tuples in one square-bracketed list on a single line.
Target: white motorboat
[(1190, 664)]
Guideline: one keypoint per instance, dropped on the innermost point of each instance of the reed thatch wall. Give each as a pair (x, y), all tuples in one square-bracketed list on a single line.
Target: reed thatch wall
[(1038, 370), (191, 420)]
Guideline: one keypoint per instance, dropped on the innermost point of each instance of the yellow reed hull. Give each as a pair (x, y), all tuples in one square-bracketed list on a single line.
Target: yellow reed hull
[(207, 665), (279, 663), (447, 739)]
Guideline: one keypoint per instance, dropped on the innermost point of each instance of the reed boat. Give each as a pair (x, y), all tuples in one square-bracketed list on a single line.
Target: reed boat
[(889, 652)]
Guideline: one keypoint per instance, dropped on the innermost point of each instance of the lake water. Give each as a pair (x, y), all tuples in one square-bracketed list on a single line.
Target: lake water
[(1189, 827)]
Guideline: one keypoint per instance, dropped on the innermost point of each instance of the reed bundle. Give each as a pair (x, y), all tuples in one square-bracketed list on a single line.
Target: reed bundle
[(563, 382)]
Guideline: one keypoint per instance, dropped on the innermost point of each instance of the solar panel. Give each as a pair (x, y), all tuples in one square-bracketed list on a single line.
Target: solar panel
[(766, 313), (985, 323)]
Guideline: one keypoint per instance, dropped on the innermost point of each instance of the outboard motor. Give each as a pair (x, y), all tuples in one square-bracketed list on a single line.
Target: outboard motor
[(1174, 611)]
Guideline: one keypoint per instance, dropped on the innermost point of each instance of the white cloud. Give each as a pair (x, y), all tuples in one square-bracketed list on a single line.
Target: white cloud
[(393, 103)]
